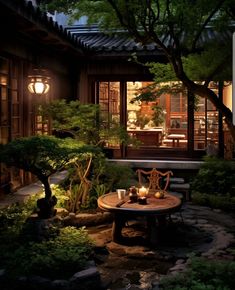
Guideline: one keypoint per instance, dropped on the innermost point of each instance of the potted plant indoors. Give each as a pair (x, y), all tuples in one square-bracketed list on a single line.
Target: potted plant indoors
[(158, 115)]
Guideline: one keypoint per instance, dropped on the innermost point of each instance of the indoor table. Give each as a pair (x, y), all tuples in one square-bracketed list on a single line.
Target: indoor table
[(176, 139)]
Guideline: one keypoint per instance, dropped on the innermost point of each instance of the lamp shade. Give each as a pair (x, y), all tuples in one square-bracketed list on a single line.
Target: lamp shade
[(38, 82)]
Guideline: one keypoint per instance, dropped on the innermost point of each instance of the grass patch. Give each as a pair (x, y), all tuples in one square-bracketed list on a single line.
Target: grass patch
[(203, 275)]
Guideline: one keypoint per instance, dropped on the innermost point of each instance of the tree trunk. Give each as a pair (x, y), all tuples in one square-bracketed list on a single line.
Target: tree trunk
[(46, 204), (198, 89), (205, 92), (47, 188)]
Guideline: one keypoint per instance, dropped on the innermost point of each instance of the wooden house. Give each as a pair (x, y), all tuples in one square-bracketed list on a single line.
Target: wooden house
[(87, 65)]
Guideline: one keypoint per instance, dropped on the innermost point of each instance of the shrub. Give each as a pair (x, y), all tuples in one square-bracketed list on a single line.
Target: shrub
[(13, 217), (60, 257), (12, 225), (91, 178), (226, 203), (203, 275), (60, 193), (216, 176), (65, 251), (214, 184), (117, 176)]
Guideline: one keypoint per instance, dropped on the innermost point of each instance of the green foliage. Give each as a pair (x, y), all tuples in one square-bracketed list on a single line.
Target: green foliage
[(83, 175), (215, 176), (84, 122), (97, 11), (95, 193), (13, 217), (203, 275), (117, 176), (158, 115), (59, 258), (163, 73), (213, 186), (88, 183), (142, 120), (199, 66), (40, 155), (12, 223), (225, 203), (75, 118), (194, 36), (62, 197), (92, 177), (60, 255)]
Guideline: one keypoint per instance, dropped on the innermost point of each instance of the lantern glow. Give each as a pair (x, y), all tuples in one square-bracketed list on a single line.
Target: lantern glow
[(38, 82)]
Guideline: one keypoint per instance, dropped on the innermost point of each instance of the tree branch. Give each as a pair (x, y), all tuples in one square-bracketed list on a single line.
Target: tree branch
[(217, 70), (217, 7)]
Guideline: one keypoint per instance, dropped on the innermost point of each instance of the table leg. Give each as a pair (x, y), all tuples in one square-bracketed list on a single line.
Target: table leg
[(118, 224), (152, 230), (161, 221)]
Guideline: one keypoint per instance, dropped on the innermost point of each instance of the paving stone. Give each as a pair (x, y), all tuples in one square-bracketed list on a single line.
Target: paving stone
[(202, 221), (91, 272), (60, 284), (180, 261), (2, 272)]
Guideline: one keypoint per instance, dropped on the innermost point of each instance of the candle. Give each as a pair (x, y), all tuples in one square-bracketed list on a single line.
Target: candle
[(142, 191), (142, 200)]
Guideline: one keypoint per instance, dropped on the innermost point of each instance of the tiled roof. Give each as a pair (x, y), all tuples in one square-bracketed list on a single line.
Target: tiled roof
[(92, 39), (29, 19), (81, 38)]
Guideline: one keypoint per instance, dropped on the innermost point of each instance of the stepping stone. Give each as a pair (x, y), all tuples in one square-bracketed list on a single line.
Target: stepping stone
[(176, 180), (184, 188), (177, 194), (180, 186)]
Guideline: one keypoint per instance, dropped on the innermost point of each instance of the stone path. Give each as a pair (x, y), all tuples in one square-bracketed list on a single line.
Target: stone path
[(26, 191), (205, 232)]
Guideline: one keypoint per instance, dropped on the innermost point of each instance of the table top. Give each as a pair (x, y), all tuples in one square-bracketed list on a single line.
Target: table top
[(145, 130), (163, 206), (176, 136)]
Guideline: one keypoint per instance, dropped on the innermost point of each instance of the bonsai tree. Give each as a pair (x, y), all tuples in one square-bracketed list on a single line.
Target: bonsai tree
[(42, 156)]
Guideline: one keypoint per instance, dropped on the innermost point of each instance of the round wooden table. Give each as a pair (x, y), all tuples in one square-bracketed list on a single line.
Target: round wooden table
[(155, 208)]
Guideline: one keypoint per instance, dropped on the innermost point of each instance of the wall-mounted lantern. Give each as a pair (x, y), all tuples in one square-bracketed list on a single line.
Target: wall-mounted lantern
[(38, 82)]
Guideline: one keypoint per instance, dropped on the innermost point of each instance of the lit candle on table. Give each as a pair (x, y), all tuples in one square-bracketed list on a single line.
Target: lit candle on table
[(142, 200), (142, 191)]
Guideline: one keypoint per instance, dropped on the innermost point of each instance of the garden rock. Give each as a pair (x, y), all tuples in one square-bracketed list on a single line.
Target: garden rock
[(87, 219), (39, 229), (86, 279), (60, 284), (83, 280)]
